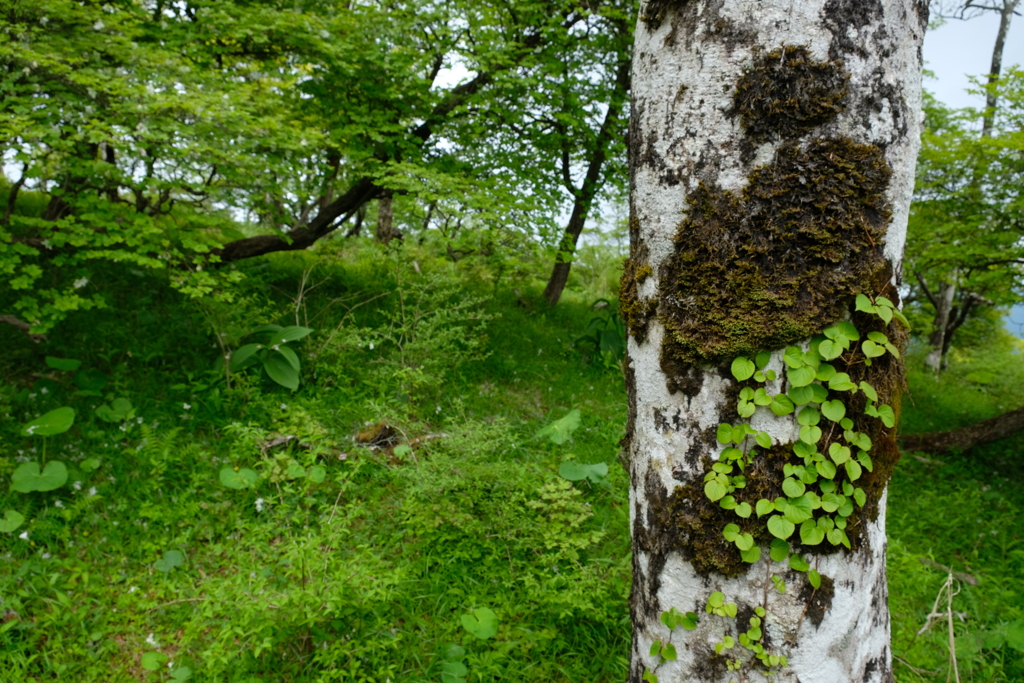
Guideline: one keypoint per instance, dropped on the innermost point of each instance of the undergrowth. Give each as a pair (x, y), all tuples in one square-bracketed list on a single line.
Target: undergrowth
[(404, 515)]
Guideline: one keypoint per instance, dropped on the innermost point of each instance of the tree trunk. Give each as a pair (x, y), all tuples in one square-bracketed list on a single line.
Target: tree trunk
[(996, 68), (938, 340), (772, 151), (386, 219), (584, 196), (987, 431)]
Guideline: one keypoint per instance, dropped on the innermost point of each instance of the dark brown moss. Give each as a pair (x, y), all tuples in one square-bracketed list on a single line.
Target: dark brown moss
[(819, 600), (654, 12), (775, 263), (698, 522), (635, 312), (787, 94)]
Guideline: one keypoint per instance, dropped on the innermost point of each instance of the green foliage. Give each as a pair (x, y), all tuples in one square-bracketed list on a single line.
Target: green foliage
[(366, 573), (273, 354)]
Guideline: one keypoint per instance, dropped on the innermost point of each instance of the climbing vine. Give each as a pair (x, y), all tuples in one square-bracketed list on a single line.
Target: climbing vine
[(821, 492), (822, 471)]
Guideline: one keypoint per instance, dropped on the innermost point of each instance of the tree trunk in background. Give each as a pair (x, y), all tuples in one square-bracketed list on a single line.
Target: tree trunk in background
[(584, 196), (772, 152), (938, 340), (385, 219), (996, 68), (984, 432)]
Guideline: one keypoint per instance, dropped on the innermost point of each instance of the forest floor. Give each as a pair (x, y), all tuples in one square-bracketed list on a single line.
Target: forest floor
[(380, 521)]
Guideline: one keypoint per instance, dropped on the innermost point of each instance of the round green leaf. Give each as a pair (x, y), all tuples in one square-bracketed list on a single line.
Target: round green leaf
[(779, 550), (730, 532), (317, 474), (792, 487), (11, 521), (799, 509), (482, 623), (744, 510), (811, 533), (751, 555), (869, 391), (27, 477), (798, 563), (238, 479), (742, 368), (170, 560), (782, 405), (715, 490), (833, 410), (808, 416), (744, 541), (577, 471), (830, 349), (153, 661), (763, 439), (780, 527), (57, 421), (800, 377)]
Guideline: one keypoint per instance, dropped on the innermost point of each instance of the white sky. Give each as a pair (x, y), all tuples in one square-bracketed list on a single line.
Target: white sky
[(960, 49)]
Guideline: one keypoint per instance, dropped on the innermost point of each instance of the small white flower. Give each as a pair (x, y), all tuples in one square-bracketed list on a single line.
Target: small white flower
[(438, 409), (92, 491), (98, 26), (139, 420), (46, 243), (259, 505), (170, 664), (151, 640), (132, 590), (58, 504), (45, 556), (371, 346), (186, 406), (31, 430), (284, 406), (23, 535), (81, 282), (77, 486), (44, 390)]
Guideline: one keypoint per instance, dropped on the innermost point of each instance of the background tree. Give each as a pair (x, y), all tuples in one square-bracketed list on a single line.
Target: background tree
[(772, 156), (162, 121), (952, 303), (964, 248)]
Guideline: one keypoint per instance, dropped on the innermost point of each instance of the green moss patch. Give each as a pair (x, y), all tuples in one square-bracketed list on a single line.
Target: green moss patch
[(775, 263), (787, 94), (635, 312)]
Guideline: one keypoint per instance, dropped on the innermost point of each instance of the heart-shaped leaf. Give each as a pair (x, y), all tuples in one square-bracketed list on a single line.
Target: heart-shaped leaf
[(482, 623), (811, 533), (27, 477), (153, 661), (170, 560), (833, 410), (317, 473), (11, 521), (779, 550), (57, 421), (559, 431), (742, 368), (577, 471), (780, 527), (238, 479), (800, 377)]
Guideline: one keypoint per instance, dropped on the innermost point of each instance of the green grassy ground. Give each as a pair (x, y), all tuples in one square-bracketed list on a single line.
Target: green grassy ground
[(145, 565)]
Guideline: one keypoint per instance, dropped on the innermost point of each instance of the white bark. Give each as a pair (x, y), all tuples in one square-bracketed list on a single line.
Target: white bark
[(681, 136)]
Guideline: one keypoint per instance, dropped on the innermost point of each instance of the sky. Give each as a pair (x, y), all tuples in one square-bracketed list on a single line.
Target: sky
[(959, 49)]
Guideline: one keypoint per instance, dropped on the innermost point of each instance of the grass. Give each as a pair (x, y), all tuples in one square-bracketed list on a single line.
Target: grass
[(145, 566)]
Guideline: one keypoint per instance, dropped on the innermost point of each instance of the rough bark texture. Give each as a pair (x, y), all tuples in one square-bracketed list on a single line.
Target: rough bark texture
[(987, 431), (940, 329), (746, 119)]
